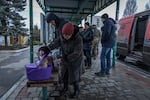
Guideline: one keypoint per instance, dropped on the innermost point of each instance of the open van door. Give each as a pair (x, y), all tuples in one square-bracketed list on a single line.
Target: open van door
[(132, 36), (146, 49), (137, 36)]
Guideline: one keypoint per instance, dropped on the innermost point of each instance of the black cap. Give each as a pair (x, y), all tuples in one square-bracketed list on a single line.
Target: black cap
[(105, 16), (87, 23)]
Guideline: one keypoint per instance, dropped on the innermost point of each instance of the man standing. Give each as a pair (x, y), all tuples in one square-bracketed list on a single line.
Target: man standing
[(87, 37), (107, 41)]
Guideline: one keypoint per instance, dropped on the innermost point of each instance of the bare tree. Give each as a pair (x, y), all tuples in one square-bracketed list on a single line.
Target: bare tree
[(147, 6), (131, 8)]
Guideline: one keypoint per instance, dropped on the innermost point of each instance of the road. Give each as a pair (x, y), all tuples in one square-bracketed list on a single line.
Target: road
[(12, 68)]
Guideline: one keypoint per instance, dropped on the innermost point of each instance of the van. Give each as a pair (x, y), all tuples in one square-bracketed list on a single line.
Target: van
[(134, 37)]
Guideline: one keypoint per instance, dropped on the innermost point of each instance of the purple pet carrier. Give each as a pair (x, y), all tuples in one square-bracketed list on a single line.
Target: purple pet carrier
[(35, 73)]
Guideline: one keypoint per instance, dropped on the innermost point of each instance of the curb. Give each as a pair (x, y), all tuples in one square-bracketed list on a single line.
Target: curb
[(11, 90), (5, 51)]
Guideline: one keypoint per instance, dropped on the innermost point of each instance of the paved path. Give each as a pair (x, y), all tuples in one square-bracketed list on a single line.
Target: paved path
[(12, 67), (123, 84)]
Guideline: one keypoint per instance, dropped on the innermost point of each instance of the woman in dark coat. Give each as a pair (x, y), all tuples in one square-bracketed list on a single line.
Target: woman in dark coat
[(72, 55)]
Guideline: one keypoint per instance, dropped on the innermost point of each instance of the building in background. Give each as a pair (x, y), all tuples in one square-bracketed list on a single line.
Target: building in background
[(96, 20), (12, 40)]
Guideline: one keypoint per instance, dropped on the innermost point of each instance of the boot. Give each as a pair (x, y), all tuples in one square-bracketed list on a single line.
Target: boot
[(75, 94), (64, 90)]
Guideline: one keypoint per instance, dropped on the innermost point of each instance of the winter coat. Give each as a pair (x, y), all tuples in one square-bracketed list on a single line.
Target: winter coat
[(108, 33), (87, 36), (59, 26), (72, 55)]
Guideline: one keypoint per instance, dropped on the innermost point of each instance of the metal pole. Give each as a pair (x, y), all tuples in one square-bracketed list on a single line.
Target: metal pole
[(115, 45), (31, 30), (44, 93), (91, 18), (117, 10)]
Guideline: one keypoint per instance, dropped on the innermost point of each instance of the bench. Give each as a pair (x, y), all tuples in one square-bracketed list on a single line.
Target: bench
[(53, 81)]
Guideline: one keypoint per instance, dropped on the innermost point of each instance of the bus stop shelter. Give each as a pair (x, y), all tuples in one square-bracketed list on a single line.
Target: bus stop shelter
[(71, 10), (74, 10)]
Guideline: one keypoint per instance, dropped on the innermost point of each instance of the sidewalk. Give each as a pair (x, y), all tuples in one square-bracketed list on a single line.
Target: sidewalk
[(123, 84), (11, 51)]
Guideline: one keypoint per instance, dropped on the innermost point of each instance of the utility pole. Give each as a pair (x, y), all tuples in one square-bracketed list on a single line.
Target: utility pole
[(31, 29), (91, 18), (115, 45)]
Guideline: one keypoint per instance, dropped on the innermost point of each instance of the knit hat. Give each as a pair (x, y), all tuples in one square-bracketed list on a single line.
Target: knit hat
[(105, 16), (68, 29)]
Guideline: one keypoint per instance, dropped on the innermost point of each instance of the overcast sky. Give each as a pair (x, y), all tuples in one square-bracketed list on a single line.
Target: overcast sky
[(36, 14), (110, 10)]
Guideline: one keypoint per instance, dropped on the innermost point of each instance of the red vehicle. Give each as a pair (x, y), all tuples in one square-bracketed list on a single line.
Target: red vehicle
[(134, 37)]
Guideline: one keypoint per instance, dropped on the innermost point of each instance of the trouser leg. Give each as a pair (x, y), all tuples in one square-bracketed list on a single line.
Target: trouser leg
[(103, 52), (108, 57), (89, 61), (65, 83), (76, 90), (65, 80)]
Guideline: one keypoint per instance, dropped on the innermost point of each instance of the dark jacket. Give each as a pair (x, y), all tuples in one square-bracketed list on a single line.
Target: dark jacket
[(87, 37), (60, 23), (72, 55), (108, 33)]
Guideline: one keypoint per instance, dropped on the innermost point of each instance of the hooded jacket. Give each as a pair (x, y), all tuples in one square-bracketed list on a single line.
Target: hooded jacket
[(87, 36), (108, 33), (59, 22)]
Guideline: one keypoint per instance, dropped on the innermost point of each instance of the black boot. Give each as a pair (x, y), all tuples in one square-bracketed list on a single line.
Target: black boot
[(64, 90), (76, 91)]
